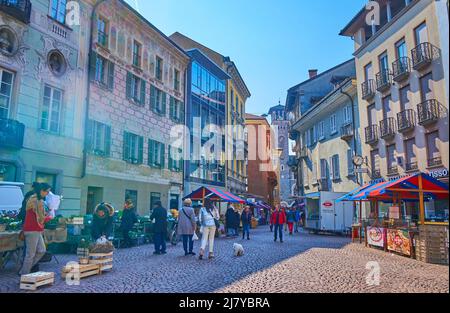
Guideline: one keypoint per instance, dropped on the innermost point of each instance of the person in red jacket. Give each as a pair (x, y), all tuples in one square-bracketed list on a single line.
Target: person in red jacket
[(33, 228), (278, 220)]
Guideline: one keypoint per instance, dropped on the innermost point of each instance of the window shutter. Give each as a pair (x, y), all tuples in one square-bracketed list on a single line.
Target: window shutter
[(151, 152), (93, 65), (331, 168), (163, 148), (337, 170), (126, 146), (172, 108), (143, 91), (350, 162), (153, 98), (89, 135), (107, 147), (171, 165), (110, 75), (164, 96), (141, 150), (181, 112), (129, 78)]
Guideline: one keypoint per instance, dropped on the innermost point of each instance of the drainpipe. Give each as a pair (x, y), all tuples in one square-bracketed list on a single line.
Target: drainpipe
[(86, 119)]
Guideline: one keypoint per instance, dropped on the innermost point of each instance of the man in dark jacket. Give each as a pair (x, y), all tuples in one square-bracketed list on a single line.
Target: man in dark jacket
[(129, 218), (159, 214), (246, 219), (102, 223), (230, 221)]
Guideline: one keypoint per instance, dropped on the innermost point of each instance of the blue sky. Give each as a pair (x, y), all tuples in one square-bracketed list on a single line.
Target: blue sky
[(273, 43)]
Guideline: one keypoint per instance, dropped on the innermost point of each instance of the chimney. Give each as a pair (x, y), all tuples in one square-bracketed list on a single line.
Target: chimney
[(312, 73)]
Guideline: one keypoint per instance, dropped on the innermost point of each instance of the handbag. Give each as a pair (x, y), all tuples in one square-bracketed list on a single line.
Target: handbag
[(216, 221)]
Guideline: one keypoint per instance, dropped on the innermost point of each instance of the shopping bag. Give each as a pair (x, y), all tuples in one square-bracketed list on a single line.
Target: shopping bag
[(195, 237)]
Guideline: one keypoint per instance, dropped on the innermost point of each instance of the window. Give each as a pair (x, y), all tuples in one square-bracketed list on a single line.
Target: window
[(323, 169), (426, 87), (400, 49), (158, 100), (133, 148), (433, 152), (311, 136), (42, 177), (386, 102), (410, 155), (305, 175), (368, 71), (154, 197), (390, 155), (58, 10), (404, 98), (135, 89), (132, 195), (350, 165), (8, 172), (314, 172), (335, 172), (176, 80), (421, 34), (176, 110), (333, 124), (137, 53), (6, 86), (159, 68), (102, 31), (348, 114), (103, 71), (99, 138), (156, 154), (8, 41), (57, 63), (175, 159), (321, 130), (375, 160), (383, 62), (51, 109)]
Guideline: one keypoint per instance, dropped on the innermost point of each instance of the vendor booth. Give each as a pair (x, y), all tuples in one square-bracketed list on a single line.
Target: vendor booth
[(214, 194), (408, 216)]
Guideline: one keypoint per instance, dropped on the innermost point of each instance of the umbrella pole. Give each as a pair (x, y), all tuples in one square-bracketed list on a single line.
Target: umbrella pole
[(421, 201)]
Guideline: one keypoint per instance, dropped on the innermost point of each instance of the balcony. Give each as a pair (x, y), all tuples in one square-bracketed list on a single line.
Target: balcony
[(411, 166), (424, 54), (387, 128), (11, 134), (392, 170), (376, 174), (406, 120), (383, 80), (430, 112), (435, 162), (368, 89), (401, 69), (371, 134), (347, 132), (19, 9)]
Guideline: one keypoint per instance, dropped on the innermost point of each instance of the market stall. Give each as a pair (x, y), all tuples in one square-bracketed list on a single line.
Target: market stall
[(408, 216)]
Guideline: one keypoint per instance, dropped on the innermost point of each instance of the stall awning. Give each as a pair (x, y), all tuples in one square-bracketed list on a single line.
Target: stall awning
[(214, 194), (351, 194), (314, 196)]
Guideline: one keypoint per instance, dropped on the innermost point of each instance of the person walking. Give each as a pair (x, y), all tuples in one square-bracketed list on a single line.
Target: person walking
[(246, 219), (33, 228), (297, 219), (278, 219), (229, 220), (236, 222), (186, 226), (208, 218), (270, 220), (159, 214), (290, 217), (129, 218)]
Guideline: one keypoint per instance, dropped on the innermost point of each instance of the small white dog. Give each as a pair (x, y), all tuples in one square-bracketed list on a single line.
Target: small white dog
[(238, 249)]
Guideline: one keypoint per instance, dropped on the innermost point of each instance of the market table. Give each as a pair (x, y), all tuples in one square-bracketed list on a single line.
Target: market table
[(10, 246)]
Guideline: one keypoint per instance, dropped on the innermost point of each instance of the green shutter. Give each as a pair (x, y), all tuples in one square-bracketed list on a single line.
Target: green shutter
[(181, 112), (129, 77), (164, 99), (92, 65), (151, 149), (153, 98), (163, 150), (89, 135), (126, 146), (141, 150), (107, 141), (110, 75), (143, 90), (172, 108), (170, 157)]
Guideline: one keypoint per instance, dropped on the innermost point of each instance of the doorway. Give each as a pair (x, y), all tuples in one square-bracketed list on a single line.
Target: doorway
[(94, 197)]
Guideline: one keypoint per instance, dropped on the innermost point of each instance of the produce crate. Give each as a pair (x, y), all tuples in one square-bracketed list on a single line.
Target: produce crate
[(76, 221), (36, 280), (61, 235), (104, 260), (80, 270), (8, 241), (432, 244)]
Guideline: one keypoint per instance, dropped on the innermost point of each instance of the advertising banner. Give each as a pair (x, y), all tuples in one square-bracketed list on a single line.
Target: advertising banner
[(398, 240), (375, 236)]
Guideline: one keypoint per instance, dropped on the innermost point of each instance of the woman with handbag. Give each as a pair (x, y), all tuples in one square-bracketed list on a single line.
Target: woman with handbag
[(209, 220), (186, 226), (33, 228)]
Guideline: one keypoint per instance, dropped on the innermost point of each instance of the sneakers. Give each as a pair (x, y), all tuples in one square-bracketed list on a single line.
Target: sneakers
[(192, 253), (211, 256)]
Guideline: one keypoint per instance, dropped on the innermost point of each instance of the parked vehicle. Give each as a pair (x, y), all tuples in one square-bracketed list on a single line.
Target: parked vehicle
[(11, 196)]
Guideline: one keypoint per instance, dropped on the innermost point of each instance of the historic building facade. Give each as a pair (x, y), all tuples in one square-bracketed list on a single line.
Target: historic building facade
[(42, 77), (402, 72), (137, 91)]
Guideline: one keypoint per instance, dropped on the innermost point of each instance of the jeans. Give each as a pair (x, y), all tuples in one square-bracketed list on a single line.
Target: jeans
[(187, 241), (126, 238), (35, 250), (296, 226), (160, 242), (291, 227), (279, 230), (271, 227), (209, 233), (246, 230)]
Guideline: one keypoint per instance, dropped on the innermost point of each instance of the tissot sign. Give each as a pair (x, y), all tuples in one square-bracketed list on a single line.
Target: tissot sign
[(437, 174)]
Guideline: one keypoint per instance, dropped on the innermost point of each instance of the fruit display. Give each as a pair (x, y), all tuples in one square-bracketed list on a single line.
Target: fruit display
[(9, 222)]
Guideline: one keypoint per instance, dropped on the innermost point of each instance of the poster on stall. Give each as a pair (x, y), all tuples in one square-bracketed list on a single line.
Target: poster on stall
[(394, 212), (398, 240), (375, 236)]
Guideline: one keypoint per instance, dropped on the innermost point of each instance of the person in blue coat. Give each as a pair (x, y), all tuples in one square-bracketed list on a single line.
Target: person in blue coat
[(246, 219)]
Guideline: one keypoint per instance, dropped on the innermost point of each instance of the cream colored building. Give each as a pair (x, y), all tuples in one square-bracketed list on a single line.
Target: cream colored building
[(402, 73)]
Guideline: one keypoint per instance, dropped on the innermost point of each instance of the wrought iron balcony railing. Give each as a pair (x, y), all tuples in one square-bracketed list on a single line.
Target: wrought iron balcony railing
[(368, 89), (406, 120), (347, 132), (430, 112), (411, 166), (424, 54), (401, 69), (372, 134), (19, 9), (435, 162), (392, 170), (383, 80), (387, 128), (11, 134)]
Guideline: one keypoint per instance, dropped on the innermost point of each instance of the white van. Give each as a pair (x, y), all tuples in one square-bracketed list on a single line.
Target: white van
[(11, 196)]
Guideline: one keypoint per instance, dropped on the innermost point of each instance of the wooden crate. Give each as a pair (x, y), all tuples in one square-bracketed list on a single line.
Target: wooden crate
[(104, 260), (83, 270), (36, 280), (432, 244)]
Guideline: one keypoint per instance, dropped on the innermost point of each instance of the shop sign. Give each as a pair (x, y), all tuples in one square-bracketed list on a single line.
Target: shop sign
[(328, 204), (375, 236), (440, 173), (398, 240)]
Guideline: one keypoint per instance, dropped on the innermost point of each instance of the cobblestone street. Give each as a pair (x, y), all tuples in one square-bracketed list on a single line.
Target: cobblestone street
[(304, 263)]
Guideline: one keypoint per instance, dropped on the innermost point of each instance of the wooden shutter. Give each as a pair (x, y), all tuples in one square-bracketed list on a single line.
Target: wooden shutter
[(143, 91), (141, 150), (164, 96), (93, 65), (163, 150), (336, 167), (129, 78), (153, 98), (170, 158), (172, 108), (126, 146), (151, 152), (89, 135), (107, 147), (181, 112), (110, 75)]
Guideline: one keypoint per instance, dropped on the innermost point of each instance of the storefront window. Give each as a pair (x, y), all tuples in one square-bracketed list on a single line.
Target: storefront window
[(50, 179), (436, 211), (7, 172)]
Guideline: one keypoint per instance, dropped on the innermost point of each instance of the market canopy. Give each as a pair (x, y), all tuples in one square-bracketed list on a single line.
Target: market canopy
[(351, 194), (214, 194)]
